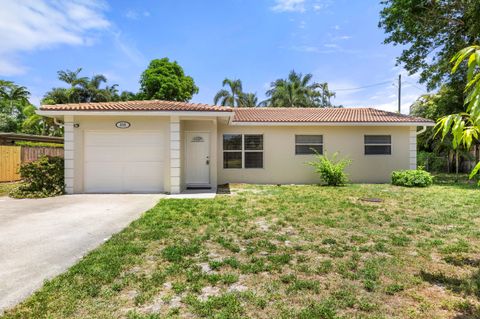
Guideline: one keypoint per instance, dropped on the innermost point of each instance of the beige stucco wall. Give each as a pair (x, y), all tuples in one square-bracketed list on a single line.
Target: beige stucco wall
[(281, 165), (90, 123)]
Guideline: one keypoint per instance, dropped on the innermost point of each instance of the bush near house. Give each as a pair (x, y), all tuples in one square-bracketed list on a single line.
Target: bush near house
[(412, 178), (331, 170), (42, 178), (38, 144)]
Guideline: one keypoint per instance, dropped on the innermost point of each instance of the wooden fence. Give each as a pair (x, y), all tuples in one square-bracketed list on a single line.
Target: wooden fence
[(30, 154), (11, 157), (10, 160)]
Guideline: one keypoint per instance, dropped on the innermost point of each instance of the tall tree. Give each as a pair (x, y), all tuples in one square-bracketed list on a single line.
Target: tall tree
[(83, 89), (431, 32), (297, 90), (16, 97), (230, 97), (249, 100), (465, 126), (165, 80)]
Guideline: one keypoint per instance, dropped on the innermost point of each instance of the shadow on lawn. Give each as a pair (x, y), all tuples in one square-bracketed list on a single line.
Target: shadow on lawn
[(464, 286), (223, 189)]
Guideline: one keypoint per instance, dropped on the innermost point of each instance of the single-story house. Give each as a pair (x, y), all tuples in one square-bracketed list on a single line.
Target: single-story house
[(162, 146)]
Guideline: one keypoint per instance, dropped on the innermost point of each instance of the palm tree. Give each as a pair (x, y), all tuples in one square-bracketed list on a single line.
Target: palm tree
[(71, 77), (229, 98), (297, 91), (13, 94), (91, 91), (248, 100)]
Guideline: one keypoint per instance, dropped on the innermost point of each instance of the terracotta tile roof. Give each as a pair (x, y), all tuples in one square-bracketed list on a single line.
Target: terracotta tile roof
[(259, 114), (146, 105), (323, 115)]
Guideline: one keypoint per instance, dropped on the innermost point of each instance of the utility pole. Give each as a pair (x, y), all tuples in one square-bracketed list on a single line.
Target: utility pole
[(399, 93)]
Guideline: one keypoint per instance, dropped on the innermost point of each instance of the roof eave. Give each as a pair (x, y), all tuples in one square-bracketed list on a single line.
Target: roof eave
[(61, 113), (259, 123)]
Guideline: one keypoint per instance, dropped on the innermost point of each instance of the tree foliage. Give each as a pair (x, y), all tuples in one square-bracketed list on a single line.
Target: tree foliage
[(230, 97), (165, 80), (465, 126), (431, 32), (84, 89), (298, 90), (234, 95)]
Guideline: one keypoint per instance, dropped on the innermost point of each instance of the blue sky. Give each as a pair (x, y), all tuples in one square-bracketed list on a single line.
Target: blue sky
[(257, 41)]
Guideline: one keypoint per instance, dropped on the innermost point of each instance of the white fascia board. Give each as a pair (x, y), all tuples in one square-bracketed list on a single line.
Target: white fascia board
[(134, 113), (330, 124)]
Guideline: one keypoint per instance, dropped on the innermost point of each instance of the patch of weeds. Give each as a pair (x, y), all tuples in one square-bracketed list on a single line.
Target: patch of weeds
[(393, 289), (179, 287), (176, 253), (299, 285), (461, 246), (287, 279), (370, 274), (344, 298), (229, 244), (400, 240), (366, 305), (132, 314), (225, 306), (321, 310), (280, 260), (226, 279), (329, 241), (255, 266), (215, 264), (324, 267)]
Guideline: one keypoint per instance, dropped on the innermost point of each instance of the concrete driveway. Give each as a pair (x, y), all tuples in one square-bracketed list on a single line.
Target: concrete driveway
[(41, 238)]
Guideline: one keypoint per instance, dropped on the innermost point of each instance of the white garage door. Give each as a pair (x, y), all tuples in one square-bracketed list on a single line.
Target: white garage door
[(123, 162)]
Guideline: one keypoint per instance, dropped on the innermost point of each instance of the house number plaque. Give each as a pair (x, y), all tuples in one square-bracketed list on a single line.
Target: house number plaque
[(122, 124)]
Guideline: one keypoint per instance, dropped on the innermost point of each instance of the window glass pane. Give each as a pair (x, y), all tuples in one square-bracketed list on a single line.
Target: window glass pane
[(378, 149), (309, 139), (253, 159), (378, 139), (307, 149), (253, 142), (232, 142), (232, 159)]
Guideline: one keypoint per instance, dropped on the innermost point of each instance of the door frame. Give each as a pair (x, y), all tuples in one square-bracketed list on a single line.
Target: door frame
[(209, 183)]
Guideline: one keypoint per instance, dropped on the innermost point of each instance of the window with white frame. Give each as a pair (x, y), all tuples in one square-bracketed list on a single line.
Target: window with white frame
[(308, 144), (378, 144), (242, 151)]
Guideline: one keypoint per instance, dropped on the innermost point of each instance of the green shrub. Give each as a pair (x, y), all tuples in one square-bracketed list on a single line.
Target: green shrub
[(331, 171), (412, 178), (38, 144), (42, 178)]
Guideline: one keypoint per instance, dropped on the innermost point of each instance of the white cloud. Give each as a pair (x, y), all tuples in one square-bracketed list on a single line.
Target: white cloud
[(289, 6), (135, 15), (300, 5), (40, 24)]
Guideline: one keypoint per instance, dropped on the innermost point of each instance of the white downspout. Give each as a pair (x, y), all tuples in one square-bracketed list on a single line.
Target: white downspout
[(424, 128), (57, 123)]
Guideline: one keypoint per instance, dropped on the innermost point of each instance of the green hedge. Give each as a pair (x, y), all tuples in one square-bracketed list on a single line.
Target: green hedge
[(412, 178), (42, 178), (38, 144)]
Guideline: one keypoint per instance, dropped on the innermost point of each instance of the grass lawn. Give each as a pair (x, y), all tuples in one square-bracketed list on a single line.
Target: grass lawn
[(5, 188), (360, 251)]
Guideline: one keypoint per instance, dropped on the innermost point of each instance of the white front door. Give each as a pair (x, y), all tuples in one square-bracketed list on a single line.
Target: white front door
[(197, 158)]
